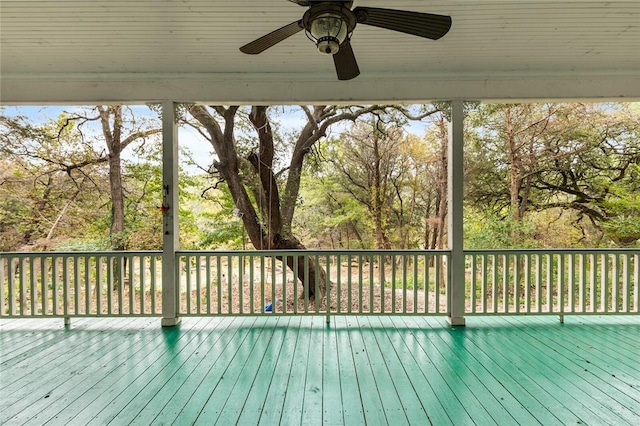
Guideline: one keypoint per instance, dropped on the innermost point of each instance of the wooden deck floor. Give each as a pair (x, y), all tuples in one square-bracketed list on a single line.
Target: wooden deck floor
[(296, 370)]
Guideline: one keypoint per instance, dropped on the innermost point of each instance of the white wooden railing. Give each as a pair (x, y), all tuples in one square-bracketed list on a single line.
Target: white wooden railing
[(361, 282), (498, 282), (552, 281), (70, 284)]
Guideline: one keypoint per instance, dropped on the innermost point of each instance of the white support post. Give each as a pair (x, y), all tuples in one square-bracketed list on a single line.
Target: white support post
[(170, 229), (455, 196)]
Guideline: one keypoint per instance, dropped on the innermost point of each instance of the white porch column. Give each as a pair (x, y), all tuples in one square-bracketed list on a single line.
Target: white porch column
[(170, 230), (455, 195)]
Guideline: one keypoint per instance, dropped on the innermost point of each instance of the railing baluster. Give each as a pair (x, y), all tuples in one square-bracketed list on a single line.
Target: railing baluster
[(484, 278), (427, 282), (505, 283), (636, 283), (76, 284), (131, 283), (404, 284), (65, 284), (495, 289), (98, 285), (272, 296), (219, 283), (316, 299), (327, 286), (305, 283), (230, 297), (438, 267), (198, 284), (626, 278), (208, 278), (615, 282), (474, 283), (349, 284), (593, 270), (549, 258), (141, 273), (383, 285), (581, 282), (187, 291), (517, 286), (240, 260), (538, 295), (527, 283), (416, 283), (284, 286), (571, 283), (23, 285), (119, 270), (33, 286), (371, 281), (561, 286), (11, 286), (54, 282), (360, 283), (339, 283), (152, 278), (3, 264), (604, 279), (110, 278), (296, 259)]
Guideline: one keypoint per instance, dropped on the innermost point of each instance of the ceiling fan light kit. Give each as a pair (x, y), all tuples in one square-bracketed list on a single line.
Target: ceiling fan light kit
[(330, 24)]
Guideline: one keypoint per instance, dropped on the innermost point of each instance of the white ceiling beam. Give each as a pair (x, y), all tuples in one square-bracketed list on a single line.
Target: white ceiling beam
[(264, 89)]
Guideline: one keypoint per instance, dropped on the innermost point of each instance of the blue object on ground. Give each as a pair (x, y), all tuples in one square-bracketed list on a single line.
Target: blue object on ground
[(269, 306)]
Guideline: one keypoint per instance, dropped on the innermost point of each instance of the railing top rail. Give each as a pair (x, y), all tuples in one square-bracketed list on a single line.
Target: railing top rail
[(351, 252), (307, 252), (82, 253), (555, 250)]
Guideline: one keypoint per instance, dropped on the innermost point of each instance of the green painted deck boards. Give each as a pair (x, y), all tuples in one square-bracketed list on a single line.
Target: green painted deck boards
[(299, 370)]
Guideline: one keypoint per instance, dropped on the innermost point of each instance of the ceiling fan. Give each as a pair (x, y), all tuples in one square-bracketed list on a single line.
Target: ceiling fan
[(330, 24)]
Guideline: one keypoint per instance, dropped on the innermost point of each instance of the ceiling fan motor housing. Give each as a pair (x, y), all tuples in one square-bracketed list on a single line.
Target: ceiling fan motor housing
[(328, 26)]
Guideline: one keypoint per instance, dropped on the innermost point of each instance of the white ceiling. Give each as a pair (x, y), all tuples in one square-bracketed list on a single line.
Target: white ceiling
[(78, 51)]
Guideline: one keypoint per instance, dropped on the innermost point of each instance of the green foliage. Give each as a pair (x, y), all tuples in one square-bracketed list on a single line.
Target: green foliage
[(523, 160), (623, 205), (326, 216), (214, 225), (484, 230)]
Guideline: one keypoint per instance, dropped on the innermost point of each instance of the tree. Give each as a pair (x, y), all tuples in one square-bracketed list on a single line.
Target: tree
[(46, 174), (61, 166), (536, 157), (266, 198), (369, 157), (594, 169), (509, 138), (119, 130)]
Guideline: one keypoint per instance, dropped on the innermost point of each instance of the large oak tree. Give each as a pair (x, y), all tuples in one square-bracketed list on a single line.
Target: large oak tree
[(266, 197)]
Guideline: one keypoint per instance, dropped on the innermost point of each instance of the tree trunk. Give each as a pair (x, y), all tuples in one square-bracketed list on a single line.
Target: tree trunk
[(515, 182), (310, 277), (117, 202)]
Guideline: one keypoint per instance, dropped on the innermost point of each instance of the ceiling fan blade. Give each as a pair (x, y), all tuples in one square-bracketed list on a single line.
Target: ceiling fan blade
[(425, 25), (271, 39), (345, 62)]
